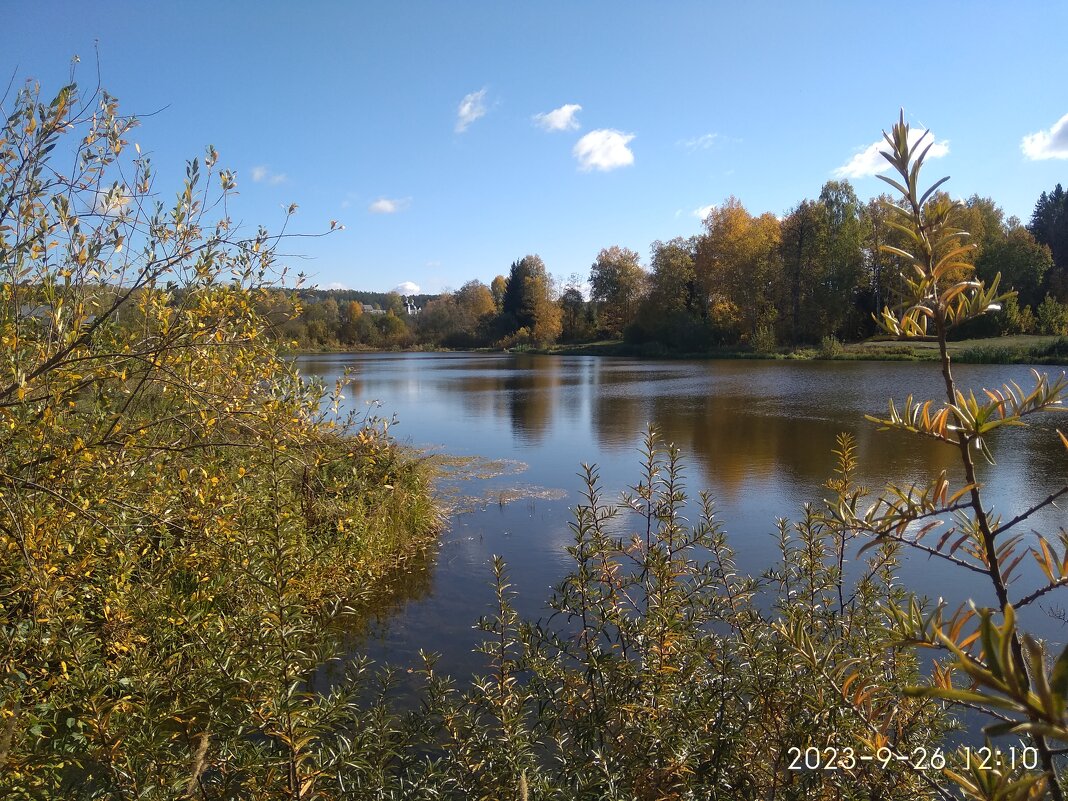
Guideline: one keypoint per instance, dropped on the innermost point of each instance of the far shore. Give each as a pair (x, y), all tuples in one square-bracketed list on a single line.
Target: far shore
[(1014, 349)]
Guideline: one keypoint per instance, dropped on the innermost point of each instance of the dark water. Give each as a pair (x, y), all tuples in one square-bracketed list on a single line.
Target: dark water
[(757, 435)]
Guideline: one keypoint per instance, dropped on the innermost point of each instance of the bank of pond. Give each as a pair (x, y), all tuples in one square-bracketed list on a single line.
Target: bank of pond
[(1032, 349)]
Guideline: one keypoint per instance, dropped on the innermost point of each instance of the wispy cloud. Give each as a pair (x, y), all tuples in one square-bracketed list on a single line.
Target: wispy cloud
[(1051, 144), (407, 288), (703, 212), (702, 142), (559, 119), (336, 285), (262, 174), (386, 205), (869, 161), (110, 203), (470, 109), (604, 149)]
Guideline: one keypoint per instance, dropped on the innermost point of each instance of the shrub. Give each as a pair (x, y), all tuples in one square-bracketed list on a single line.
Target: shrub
[(1052, 317), (181, 521), (664, 673), (831, 347), (520, 340), (1003, 671), (1016, 320), (763, 339)]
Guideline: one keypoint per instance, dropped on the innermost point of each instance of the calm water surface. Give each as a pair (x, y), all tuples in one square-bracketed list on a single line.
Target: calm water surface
[(757, 435)]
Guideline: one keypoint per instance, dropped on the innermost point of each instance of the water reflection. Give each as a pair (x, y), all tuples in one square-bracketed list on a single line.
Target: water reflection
[(758, 435)]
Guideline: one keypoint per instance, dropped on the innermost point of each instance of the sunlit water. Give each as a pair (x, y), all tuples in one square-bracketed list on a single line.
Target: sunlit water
[(757, 435)]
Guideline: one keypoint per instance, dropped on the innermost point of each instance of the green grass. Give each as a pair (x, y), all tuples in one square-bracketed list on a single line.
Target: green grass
[(1013, 349)]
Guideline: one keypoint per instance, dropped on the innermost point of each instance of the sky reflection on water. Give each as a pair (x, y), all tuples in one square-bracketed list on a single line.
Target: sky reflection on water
[(757, 435)]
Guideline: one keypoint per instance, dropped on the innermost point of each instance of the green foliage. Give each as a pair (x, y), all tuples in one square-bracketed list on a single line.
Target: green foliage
[(664, 673), (831, 347), (834, 306), (180, 520), (527, 304), (1049, 226), (1020, 259), (1052, 317), (1005, 670), (803, 242), (616, 285), (821, 271), (763, 340), (576, 316), (1015, 320)]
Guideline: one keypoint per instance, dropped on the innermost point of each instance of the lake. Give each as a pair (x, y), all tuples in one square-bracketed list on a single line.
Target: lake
[(758, 435)]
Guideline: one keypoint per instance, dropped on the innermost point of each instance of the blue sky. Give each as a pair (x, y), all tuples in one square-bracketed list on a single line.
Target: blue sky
[(416, 124)]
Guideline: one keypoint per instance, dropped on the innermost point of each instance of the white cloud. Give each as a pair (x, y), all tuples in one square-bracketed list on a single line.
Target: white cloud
[(385, 205), (604, 149), (407, 288), (470, 109), (559, 119), (261, 174), (1051, 144), (702, 212), (336, 285), (869, 161), (702, 142)]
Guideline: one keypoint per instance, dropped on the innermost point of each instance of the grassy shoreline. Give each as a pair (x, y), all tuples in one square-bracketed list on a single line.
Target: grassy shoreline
[(1020, 349), (1015, 349)]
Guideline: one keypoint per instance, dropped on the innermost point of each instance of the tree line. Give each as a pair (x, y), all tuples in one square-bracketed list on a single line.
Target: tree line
[(757, 281)]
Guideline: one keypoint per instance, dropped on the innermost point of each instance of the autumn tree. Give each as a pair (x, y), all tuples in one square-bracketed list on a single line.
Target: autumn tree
[(475, 301), (616, 284), (351, 314), (544, 311), (528, 301), (985, 220), (438, 319), (353, 310), (671, 312), (738, 263), (498, 288), (456, 319)]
